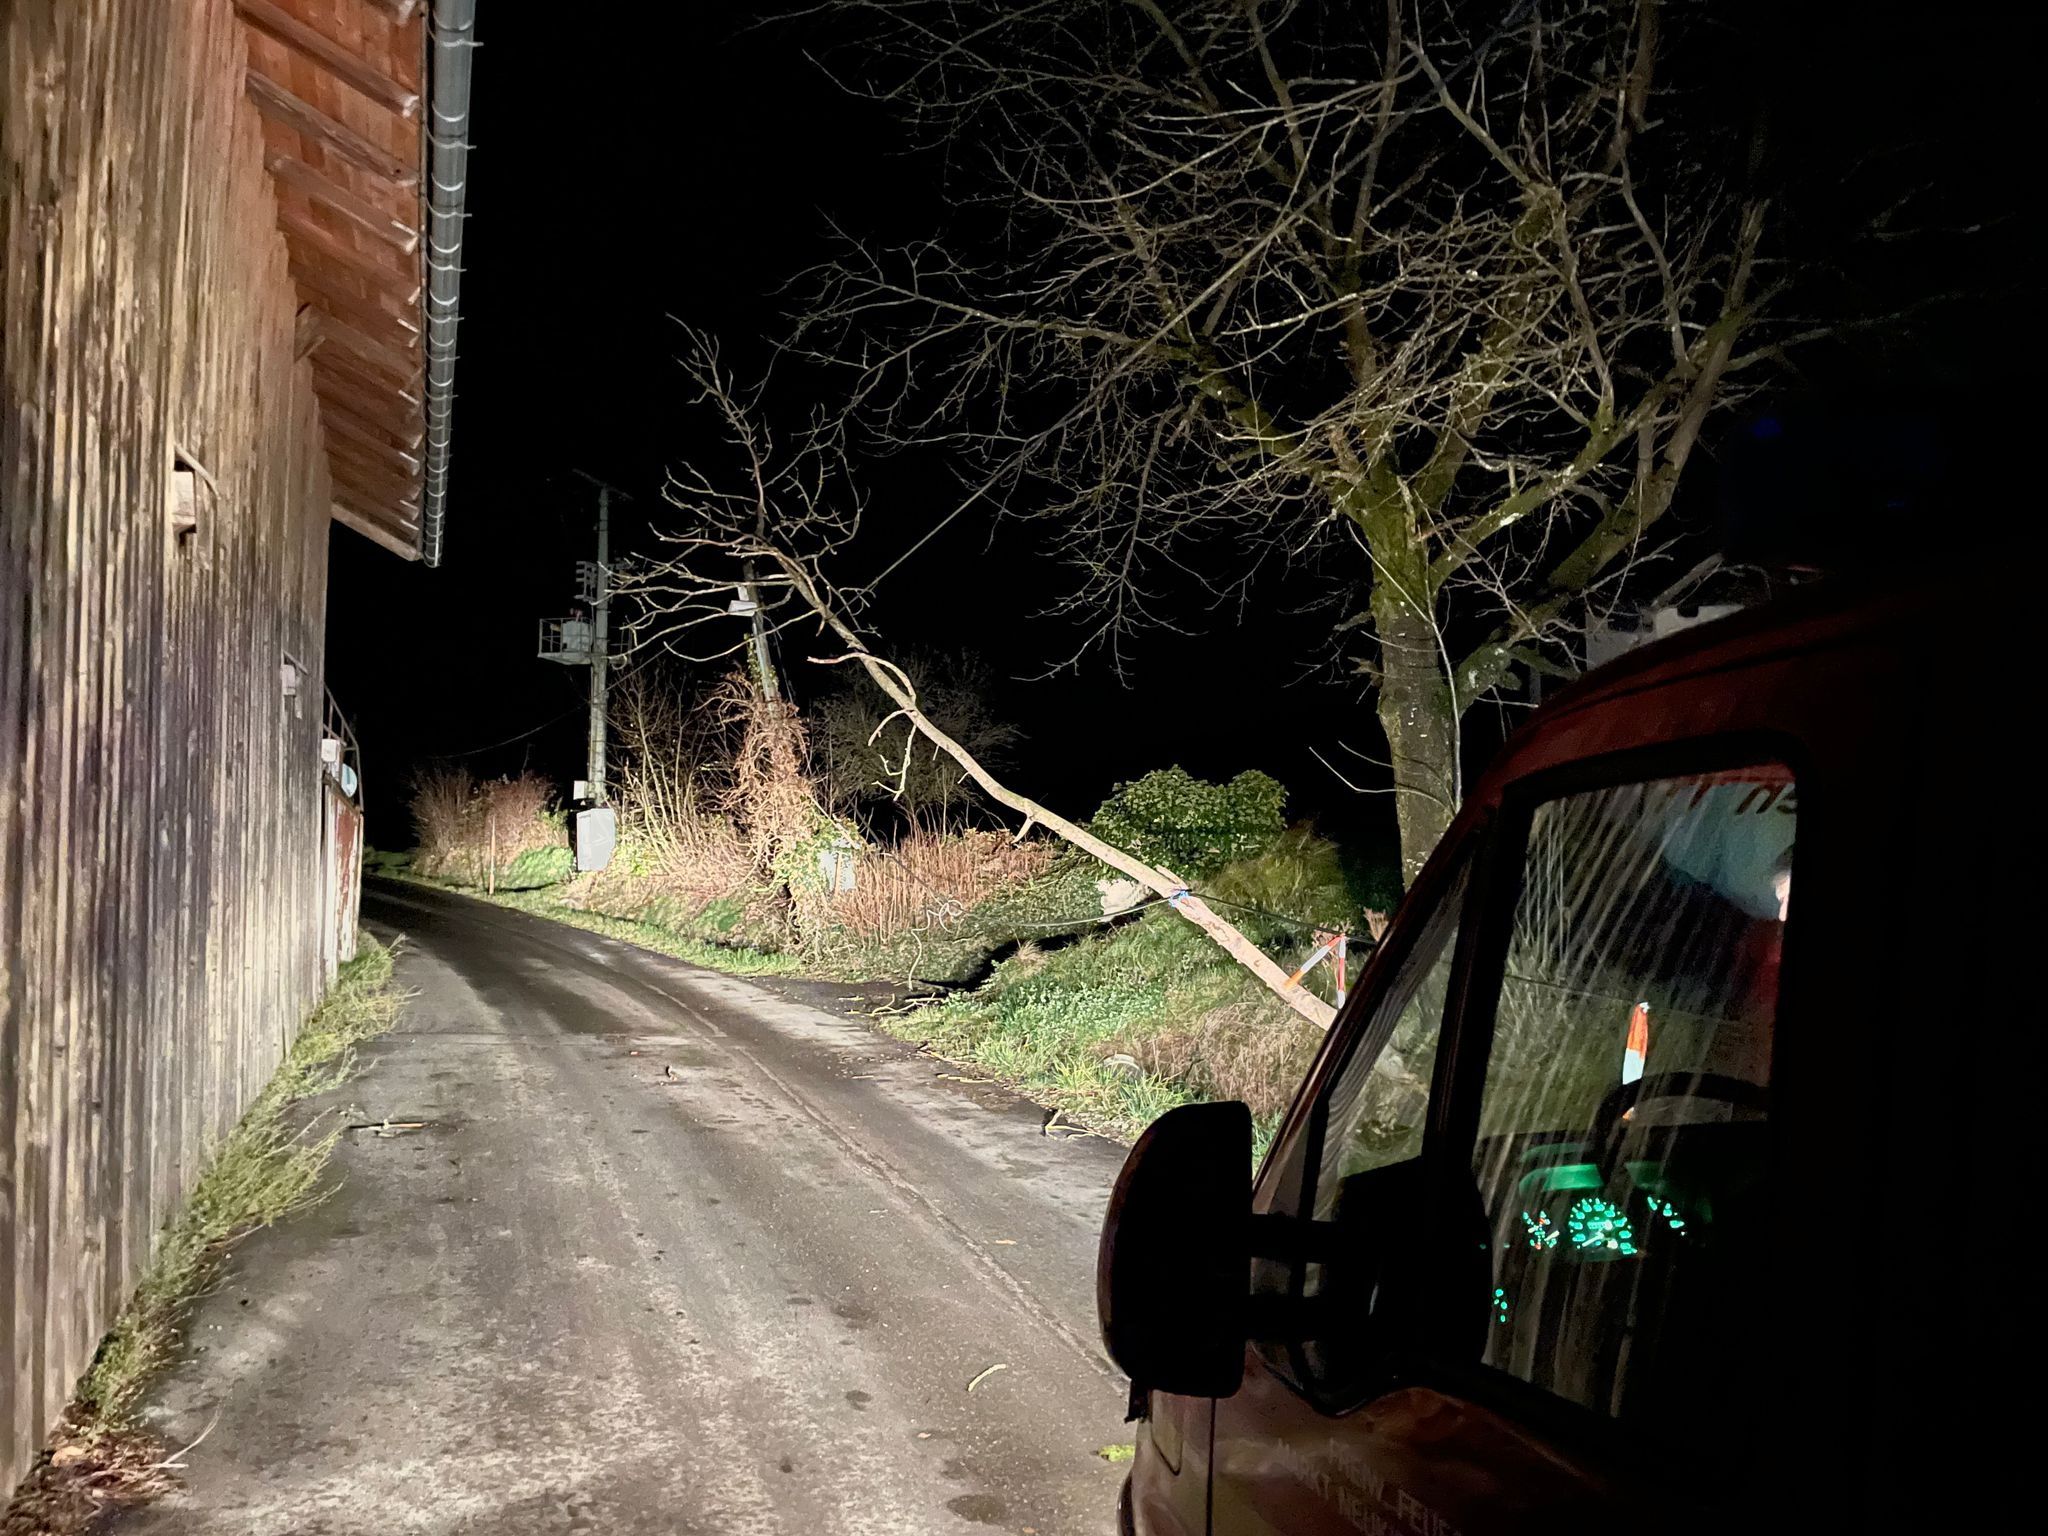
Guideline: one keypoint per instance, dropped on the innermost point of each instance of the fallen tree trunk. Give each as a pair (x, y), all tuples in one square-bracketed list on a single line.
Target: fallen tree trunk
[(893, 682)]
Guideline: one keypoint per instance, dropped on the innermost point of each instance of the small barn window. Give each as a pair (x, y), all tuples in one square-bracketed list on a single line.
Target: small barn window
[(184, 499), (190, 483)]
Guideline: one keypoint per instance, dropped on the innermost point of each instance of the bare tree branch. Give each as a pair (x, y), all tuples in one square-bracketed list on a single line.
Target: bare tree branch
[(792, 513), (1440, 277)]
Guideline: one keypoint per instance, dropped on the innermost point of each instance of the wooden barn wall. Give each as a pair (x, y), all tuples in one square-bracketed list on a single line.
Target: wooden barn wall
[(159, 795)]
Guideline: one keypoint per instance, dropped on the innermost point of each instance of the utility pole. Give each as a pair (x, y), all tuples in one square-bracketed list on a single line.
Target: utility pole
[(764, 667), (758, 613), (600, 638), (600, 654)]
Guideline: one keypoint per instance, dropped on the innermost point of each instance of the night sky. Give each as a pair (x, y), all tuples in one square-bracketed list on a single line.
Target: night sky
[(623, 174)]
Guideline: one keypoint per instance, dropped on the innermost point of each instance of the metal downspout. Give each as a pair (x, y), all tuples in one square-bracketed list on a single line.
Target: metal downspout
[(454, 24)]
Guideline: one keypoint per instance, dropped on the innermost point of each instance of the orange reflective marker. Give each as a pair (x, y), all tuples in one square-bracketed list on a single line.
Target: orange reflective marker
[(1637, 1048)]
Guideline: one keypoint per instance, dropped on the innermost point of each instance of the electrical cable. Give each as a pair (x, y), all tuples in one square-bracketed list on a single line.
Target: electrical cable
[(1304, 925), (552, 720)]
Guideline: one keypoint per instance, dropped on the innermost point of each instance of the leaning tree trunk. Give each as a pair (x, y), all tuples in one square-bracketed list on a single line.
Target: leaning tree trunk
[(1416, 712), (892, 680)]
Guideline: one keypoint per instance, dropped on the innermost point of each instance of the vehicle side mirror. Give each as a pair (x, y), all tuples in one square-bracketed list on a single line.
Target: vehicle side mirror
[(1172, 1278)]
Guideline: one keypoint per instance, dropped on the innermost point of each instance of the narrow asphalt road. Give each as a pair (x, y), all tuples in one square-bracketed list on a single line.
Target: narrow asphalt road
[(674, 1252)]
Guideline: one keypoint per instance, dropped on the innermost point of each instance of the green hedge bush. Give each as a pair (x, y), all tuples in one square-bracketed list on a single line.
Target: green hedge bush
[(1189, 826)]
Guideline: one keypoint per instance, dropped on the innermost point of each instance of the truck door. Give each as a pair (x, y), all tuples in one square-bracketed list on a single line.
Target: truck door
[(1286, 1459), (1523, 1284)]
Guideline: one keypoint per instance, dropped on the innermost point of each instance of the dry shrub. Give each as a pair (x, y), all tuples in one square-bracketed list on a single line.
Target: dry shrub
[(685, 841), (716, 812), (930, 879), (771, 796), (519, 809), (88, 1473), (671, 748), (699, 859), (1256, 1049), (440, 803), (671, 868), (462, 824)]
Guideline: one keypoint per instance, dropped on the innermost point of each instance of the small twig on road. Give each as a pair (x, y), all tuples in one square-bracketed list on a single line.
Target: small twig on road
[(1069, 1132), (899, 1010), (175, 1461), (982, 1376)]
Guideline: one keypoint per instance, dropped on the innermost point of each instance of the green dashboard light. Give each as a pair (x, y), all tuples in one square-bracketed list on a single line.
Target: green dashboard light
[(1669, 1212), (1542, 1234), (1598, 1226), (1500, 1304)]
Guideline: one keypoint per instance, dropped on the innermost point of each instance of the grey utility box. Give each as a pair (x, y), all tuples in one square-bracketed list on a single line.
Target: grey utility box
[(597, 834)]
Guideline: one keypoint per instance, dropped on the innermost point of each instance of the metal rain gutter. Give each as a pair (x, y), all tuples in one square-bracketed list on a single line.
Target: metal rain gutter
[(453, 36)]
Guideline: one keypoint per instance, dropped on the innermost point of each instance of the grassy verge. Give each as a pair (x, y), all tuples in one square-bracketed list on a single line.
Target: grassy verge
[(1118, 1026), (735, 959), (262, 1171), (1116, 1029)]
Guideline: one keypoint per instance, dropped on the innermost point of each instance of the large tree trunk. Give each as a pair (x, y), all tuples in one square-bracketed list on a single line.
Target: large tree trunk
[(1421, 723)]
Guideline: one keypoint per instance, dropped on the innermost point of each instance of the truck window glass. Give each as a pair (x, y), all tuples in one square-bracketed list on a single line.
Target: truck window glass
[(1622, 1148), (1380, 1099), (1373, 1116)]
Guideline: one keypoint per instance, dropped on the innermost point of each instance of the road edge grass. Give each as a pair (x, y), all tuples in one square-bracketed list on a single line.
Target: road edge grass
[(261, 1172), (1079, 1095), (733, 959)]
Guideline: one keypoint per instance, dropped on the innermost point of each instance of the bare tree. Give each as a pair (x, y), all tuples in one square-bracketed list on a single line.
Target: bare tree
[(671, 757), (772, 520), (863, 752), (1429, 301)]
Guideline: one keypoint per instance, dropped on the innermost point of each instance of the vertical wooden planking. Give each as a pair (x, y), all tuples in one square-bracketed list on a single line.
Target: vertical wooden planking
[(160, 872)]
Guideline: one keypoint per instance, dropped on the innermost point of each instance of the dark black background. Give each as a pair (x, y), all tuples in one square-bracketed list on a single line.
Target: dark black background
[(640, 164)]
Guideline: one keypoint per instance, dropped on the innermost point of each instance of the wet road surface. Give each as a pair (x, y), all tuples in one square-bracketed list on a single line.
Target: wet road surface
[(675, 1252)]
